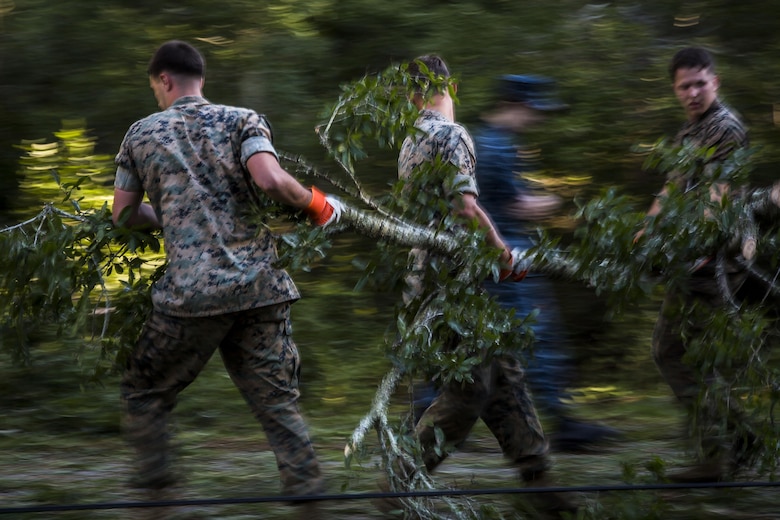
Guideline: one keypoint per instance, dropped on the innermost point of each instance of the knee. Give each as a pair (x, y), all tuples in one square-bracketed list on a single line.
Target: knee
[(142, 402)]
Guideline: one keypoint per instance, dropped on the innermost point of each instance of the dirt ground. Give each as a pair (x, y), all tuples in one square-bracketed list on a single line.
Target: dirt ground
[(88, 469)]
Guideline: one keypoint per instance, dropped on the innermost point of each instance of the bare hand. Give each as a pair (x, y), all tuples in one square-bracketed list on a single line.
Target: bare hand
[(536, 207)]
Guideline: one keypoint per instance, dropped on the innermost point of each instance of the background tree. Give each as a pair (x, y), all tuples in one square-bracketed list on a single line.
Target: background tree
[(83, 61), (57, 272)]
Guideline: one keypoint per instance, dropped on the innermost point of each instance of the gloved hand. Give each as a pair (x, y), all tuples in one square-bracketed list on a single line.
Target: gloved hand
[(324, 209), (514, 265)]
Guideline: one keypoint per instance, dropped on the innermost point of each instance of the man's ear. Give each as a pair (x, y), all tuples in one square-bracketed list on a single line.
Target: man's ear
[(167, 81), (417, 100)]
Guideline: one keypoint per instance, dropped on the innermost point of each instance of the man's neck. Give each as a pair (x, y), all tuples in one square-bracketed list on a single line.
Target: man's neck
[(712, 108), (183, 87), (186, 92), (441, 104)]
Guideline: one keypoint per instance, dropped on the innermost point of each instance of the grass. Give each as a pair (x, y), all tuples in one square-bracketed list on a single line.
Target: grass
[(60, 441), (64, 453)]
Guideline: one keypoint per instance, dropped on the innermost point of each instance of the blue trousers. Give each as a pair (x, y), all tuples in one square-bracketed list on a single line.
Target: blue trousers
[(548, 364)]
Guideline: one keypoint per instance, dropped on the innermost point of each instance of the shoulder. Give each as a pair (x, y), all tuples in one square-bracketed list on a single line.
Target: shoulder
[(724, 125), (445, 129), (720, 128), (247, 120), (451, 136), (229, 112), (158, 122)]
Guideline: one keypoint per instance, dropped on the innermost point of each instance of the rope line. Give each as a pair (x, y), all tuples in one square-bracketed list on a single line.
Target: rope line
[(367, 496)]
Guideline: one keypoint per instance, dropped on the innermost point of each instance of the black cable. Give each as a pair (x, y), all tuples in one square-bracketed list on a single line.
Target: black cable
[(368, 496)]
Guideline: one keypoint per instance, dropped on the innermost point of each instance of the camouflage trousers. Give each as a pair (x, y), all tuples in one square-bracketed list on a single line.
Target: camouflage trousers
[(499, 397), (688, 382), (262, 360)]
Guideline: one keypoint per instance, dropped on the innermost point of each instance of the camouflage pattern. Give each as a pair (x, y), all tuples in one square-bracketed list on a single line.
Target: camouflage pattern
[(498, 394), (438, 139), (259, 354), (721, 129), (441, 138), (220, 289), (500, 398), (191, 161), (718, 128), (669, 344)]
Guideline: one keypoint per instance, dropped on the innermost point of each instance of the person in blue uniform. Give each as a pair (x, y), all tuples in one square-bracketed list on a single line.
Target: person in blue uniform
[(522, 101)]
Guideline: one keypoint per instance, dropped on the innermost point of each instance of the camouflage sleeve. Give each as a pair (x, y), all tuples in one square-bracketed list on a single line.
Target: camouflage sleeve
[(464, 158), (127, 181), (256, 136), (126, 178), (723, 133), (726, 139)]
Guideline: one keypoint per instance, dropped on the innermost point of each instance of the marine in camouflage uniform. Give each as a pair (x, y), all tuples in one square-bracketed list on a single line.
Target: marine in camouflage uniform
[(498, 392), (720, 129), (220, 290)]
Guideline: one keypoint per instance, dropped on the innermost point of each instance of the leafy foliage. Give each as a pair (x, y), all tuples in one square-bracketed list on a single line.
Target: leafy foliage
[(736, 341), (609, 255), (69, 266), (375, 111)]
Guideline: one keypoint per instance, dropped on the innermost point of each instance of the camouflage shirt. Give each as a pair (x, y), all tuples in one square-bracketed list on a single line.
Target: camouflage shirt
[(444, 139), (717, 128), (439, 139), (191, 161)]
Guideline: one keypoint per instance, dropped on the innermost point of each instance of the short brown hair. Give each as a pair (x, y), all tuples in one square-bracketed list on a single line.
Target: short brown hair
[(427, 68), (691, 58), (431, 63), (177, 57)]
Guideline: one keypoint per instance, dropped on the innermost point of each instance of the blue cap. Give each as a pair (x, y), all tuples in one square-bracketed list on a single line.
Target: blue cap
[(537, 92)]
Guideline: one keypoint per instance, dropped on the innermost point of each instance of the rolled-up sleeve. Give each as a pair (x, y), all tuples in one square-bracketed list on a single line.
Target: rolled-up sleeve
[(126, 181), (256, 137), (126, 178), (465, 184), (256, 144), (463, 157)]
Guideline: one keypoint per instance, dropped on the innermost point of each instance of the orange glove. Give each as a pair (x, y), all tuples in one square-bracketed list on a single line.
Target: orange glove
[(322, 209), (514, 268)]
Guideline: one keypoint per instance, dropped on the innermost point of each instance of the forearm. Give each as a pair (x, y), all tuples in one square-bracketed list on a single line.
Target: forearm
[(492, 236), (468, 209), (655, 208), (138, 214), (146, 217), (287, 190), (142, 216), (276, 182)]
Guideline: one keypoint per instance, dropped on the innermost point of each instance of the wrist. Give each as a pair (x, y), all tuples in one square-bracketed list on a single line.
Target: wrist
[(506, 257), (505, 263), (317, 204)]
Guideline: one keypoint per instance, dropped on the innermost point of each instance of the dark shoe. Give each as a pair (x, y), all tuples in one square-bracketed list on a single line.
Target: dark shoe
[(549, 503), (745, 451), (705, 471), (158, 481), (155, 510), (309, 510), (390, 507), (575, 435)]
